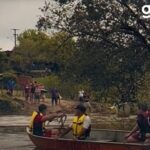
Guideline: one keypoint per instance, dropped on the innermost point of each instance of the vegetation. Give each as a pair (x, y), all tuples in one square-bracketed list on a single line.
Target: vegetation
[(101, 46), (9, 105), (112, 40), (4, 62), (67, 89), (37, 47)]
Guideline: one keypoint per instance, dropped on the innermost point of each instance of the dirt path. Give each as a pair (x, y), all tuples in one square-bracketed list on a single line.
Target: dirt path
[(17, 105), (65, 105)]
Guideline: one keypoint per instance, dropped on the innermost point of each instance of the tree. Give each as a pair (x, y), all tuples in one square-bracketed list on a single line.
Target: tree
[(38, 47), (119, 40), (28, 49), (4, 62)]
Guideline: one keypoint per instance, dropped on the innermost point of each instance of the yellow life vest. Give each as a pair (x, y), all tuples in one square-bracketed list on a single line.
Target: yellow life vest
[(78, 125), (34, 114)]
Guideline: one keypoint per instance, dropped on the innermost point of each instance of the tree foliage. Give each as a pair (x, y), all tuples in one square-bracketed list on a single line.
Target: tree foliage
[(38, 47), (4, 61), (113, 41)]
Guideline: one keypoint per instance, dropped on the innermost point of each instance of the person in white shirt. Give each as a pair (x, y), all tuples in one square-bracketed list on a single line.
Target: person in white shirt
[(81, 95), (81, 124)]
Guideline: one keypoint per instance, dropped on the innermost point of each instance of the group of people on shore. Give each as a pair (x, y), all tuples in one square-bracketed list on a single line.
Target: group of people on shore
[(34, 92)]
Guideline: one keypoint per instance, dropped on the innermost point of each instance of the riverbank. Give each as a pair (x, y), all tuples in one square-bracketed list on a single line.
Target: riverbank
[(101, 116), (17, 105), (14, 105)]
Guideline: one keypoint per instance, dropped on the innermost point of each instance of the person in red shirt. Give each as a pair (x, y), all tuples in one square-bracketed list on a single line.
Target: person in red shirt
[(41, 117)]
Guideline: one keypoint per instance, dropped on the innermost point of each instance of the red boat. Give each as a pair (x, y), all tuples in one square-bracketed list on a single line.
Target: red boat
[(99, 140)]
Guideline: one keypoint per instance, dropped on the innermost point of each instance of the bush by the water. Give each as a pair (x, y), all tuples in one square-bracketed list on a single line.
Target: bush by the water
[(9, 105)]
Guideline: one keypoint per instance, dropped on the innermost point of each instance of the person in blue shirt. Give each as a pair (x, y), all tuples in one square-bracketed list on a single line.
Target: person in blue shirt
[(10, 86)]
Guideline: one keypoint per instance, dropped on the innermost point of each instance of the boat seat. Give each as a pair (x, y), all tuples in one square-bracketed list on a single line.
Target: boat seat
[(104, 140), (100, 140)]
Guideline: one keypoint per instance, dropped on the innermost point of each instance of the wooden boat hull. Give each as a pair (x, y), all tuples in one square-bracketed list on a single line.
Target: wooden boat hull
[(44, 143)]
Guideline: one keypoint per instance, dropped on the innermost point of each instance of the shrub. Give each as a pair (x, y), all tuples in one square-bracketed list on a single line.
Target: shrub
[(8, 105)]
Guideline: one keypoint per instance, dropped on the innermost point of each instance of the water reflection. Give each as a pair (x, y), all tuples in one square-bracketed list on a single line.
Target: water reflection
[(15, 138)]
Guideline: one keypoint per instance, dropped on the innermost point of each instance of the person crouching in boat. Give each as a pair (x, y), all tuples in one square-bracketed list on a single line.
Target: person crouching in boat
[(81, 124), (141, 131), (38, 119)]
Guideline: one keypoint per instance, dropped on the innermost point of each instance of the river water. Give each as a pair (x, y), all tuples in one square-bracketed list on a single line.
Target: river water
[(13, 135), (14, 139)]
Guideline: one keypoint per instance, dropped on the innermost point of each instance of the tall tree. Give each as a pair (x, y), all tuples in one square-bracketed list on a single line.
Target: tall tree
[(113, 40), (38, 47)]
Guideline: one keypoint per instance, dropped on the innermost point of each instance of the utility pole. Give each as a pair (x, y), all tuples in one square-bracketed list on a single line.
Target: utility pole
[(15, 36)]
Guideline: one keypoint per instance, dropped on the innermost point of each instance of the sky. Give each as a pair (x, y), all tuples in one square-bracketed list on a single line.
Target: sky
[(18, 14)]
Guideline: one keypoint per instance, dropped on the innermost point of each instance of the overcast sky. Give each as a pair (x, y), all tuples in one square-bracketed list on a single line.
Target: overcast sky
[(20, 14)]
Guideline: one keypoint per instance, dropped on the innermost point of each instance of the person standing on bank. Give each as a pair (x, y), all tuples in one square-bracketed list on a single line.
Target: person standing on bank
[(54, 96), (86, 102), (32, 92), (81, 124), (80, 95), (38, 119)]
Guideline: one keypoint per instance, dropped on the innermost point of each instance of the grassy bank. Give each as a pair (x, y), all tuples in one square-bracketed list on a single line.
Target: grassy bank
[(10, 105)]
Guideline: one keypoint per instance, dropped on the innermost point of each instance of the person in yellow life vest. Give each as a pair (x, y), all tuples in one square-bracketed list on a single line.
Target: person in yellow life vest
[(81, 124), (38, 119)]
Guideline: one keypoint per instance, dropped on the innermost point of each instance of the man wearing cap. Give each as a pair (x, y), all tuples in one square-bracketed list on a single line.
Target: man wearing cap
[(81, 124)]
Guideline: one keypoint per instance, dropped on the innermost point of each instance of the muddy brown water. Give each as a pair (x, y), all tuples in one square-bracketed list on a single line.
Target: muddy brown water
[(13, 135), (14, 138)]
